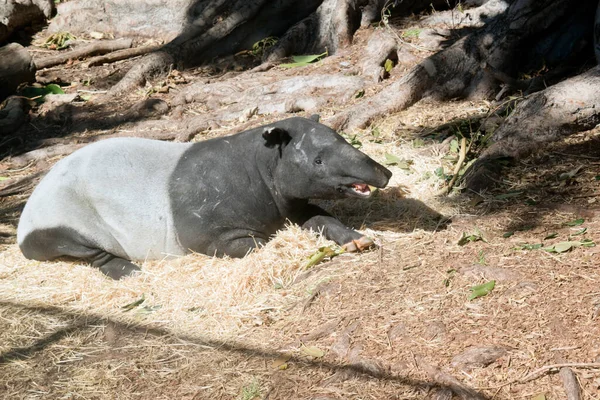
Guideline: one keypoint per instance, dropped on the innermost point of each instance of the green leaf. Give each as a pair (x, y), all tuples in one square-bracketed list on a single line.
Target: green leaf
[(454, 146), (474, 237), (575, 222), (388, 66), (559, 247), (301, 61), (4, 178), (133, 305), (527, 246), (54, 89), (415, 32), (391, 159), (322, 253), (353, 140), (579, 232), (587, 243), (359, 94), (566, 246), (482, 290), (508, 234), (551, 236), (308, 58)]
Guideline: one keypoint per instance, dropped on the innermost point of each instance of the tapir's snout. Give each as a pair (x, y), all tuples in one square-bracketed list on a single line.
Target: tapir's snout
[(361, 173), (381, 175)]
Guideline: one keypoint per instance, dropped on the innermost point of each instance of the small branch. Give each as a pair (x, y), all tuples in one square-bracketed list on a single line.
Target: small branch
[(538, 372), (101, 47), (462, 155), (121, 55)]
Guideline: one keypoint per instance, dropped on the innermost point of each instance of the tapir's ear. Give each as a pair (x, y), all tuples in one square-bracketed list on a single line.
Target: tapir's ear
[(275, 136), (315, 117)]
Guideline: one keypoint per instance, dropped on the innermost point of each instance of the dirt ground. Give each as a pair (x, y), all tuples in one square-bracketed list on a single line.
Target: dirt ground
[(392, 323)]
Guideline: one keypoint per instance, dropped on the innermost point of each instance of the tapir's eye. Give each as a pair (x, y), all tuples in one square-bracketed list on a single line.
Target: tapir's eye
[(318, 161)]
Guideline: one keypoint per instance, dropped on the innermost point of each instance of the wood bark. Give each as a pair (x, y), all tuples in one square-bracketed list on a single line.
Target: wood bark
[(16, 67), (458, 70), (570, 106)]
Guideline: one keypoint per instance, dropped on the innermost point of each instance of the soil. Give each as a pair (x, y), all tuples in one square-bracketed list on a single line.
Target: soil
[(392, 323)]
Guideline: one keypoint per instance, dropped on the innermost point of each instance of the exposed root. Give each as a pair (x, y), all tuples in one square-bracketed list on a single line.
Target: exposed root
[(121, 55), (13, 115), (100, 47), (565, 108), (151, 65), (22, 185), (445, 380), (233, 99)]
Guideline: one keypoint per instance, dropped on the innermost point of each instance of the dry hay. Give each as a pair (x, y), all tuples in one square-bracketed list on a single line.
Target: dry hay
[(386, 319)]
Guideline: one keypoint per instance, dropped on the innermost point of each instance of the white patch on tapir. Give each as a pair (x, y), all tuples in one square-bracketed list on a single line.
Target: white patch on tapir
[(300, 141), (102, 204)]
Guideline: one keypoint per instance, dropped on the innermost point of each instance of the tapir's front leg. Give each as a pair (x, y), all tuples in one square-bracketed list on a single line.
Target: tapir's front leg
[(319, 220)]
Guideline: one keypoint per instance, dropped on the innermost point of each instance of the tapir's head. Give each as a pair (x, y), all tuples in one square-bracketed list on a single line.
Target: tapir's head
[(316, 162)]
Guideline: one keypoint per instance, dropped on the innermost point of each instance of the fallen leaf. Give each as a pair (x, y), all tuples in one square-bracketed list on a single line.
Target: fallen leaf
[(474, 237), (575, 222), (388, 66), (481, 290), (281, 361), (301, 61), (322, 253), (569, 175), (551, 236), (312, 351), (527, 246), (131, 306)]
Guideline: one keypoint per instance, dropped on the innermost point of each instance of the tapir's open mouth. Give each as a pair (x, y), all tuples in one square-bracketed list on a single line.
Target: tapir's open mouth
[(360, 189)]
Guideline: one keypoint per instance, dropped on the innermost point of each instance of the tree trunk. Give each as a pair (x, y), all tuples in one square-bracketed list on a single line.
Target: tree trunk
[(570, 106), (15, 14), (510, 41)]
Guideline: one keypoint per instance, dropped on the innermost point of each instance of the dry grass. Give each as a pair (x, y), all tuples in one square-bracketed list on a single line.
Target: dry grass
[(211, 328)]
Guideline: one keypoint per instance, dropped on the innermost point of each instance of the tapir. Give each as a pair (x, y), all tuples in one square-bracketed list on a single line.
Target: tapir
[(126, 199)]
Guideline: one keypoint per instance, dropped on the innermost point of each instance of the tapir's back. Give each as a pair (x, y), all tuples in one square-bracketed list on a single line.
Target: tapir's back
[(114, 194)]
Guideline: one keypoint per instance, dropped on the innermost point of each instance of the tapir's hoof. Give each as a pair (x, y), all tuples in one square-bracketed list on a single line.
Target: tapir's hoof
[(360, 244), (118, 268)]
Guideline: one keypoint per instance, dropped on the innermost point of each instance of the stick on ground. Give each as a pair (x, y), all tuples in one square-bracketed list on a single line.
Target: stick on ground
[(101, 47)]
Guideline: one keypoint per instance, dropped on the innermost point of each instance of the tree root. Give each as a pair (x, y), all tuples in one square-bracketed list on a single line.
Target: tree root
[(446, 380), (570, 106), (121, 55), (149, 66), (101, 47), (13, 115), (24, 184), (233, 98), (47, 152), (456, 71)]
